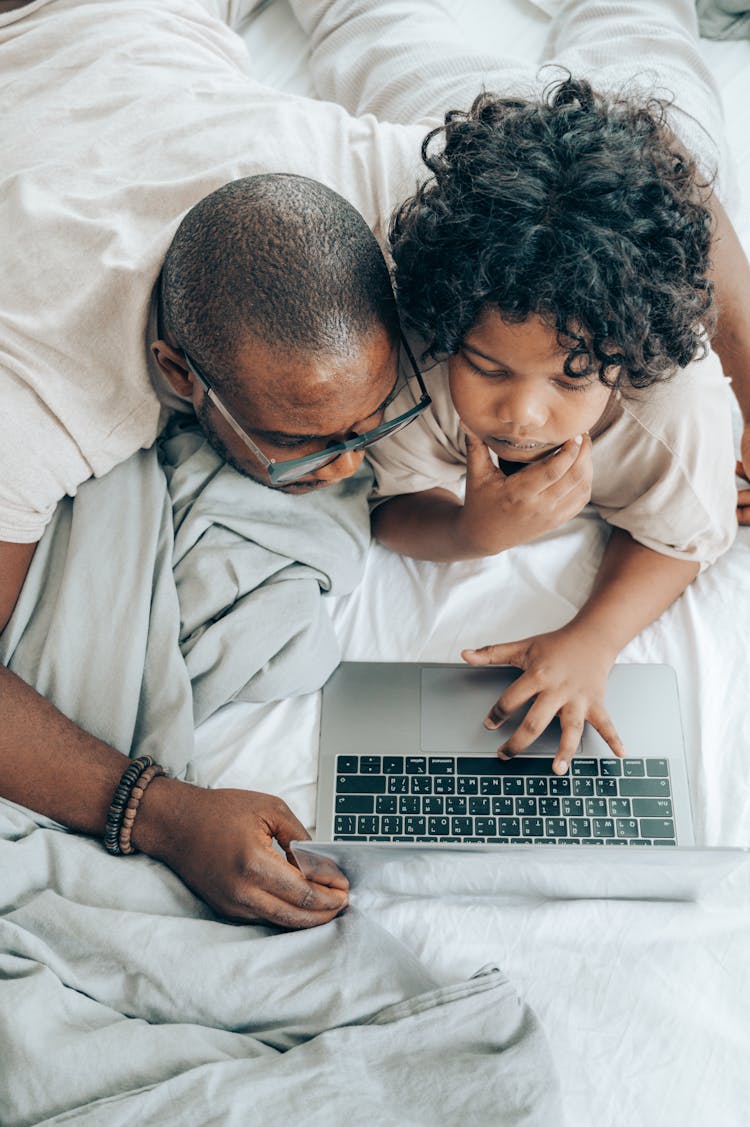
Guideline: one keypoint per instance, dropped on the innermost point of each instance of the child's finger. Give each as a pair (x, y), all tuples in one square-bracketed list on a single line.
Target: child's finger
[(740, 471), (552, 469), (479, 464)]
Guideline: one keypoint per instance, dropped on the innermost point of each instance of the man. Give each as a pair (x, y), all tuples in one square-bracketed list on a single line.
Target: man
[(131, 140)]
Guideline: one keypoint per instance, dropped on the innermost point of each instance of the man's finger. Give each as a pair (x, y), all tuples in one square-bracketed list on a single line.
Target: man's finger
[(320, 870), (273, 874), (263, 906)]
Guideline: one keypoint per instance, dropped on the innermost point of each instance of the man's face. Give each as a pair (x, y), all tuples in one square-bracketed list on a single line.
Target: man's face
[(294, 403)]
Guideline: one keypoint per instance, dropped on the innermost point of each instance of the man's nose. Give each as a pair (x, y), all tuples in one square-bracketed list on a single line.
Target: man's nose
[(343, 466)]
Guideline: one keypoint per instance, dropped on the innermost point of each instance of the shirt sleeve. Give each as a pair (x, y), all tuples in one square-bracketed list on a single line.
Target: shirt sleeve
[(664, 469)]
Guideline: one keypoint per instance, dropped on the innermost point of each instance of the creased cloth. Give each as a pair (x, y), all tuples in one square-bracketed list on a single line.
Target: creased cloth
[(724, 19), (123, 1000), (167, 588)]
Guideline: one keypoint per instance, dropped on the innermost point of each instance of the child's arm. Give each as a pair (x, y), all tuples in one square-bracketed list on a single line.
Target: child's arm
[(731, 278), (566, 670), (498, 512)]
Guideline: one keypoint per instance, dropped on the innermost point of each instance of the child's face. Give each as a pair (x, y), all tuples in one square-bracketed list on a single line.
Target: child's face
[(509, 386)]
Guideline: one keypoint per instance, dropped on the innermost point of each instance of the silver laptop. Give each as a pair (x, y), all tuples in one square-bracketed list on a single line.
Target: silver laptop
[(408, 771)]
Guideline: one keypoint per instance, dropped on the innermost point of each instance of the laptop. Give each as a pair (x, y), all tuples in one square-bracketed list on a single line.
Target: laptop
[(408, 771)]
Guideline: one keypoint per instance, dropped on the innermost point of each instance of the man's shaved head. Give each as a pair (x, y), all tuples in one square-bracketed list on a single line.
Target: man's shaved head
[(278, 258)]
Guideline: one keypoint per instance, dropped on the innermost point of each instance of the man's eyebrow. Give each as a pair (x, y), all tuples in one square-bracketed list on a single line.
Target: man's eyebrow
[(287, 436)]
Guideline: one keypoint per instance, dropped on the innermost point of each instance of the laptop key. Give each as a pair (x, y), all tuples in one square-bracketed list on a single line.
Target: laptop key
[(393, 764), (442, 766), (627, 827), (536, 786), (368, 824), (606, 788), (532, 827), (527, 806), (572, 807), (444, 784), (610, 766), (397, 784), (416, 765), (370, 765), (347, 764), (392, 824), (512, 784), (490, 784), (462, 827), (386, 804), (652, 808), (556, 827), (433, 804), (657, 768), (438, 826), (657, 828), (345, 824), (455, 804), (360, 784), (604, 827), (580, 827), (549, 807), (414, 824), (465, 784), (644, 788), (633, 767), (559, 786), (421, 784), (502, 807), (508, 827), (354, 803), (486, 827), (409, 804), (583, 787), (663, 841), (584, 767), (479, 805), (619, 808)]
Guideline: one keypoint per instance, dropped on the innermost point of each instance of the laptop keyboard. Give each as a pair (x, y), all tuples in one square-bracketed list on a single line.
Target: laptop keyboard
[(467, 799)]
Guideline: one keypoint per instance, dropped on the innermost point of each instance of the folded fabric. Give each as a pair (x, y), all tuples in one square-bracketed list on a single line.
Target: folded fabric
[(724, 19), (168, 588)]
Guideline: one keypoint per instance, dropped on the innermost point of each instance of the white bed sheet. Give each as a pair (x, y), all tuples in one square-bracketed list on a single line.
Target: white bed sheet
[(645, 1004)]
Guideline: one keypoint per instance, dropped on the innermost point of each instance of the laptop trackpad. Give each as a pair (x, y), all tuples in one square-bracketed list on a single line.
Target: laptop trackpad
[(454, 701)]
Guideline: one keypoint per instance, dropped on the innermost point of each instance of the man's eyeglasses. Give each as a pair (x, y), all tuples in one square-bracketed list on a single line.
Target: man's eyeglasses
[(292, 469)]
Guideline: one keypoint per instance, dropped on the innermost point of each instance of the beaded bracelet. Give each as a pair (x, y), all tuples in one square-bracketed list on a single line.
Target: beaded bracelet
[(129, 777), (136, 794)]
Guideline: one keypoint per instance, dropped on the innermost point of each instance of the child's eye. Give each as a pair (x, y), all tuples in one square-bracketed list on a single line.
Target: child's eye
[(494, 373), (581, 384)]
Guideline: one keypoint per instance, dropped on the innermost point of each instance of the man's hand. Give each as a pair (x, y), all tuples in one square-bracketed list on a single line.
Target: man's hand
[(221, 844), (565, 673), (502, 511), (743, 470)]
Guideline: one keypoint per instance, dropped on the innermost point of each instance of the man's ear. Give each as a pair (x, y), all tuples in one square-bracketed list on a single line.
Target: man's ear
[(172, 365)]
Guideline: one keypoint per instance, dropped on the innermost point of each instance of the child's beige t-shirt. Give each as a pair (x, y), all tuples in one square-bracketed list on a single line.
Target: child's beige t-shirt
[(663, 459)]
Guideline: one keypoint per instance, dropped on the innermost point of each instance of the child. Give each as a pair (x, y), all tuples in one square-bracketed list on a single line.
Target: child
[(558, 257)]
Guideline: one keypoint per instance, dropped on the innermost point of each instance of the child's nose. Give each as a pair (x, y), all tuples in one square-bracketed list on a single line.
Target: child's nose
[(522, 407)]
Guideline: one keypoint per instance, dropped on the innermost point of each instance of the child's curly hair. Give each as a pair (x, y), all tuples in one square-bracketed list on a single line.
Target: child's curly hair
[(575, 207)]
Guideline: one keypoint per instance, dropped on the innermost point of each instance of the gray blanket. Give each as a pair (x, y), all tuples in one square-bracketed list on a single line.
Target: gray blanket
[(174, 585), (724, 19), (122, 998)]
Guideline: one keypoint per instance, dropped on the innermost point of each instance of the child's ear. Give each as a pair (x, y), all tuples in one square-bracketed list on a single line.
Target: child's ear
[(172, 365)]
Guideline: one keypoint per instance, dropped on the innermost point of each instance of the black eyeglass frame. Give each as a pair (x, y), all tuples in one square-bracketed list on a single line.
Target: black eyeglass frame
[(292, 469)]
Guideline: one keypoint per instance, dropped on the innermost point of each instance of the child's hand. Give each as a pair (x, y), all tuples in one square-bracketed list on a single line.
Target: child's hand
[(566, 671), (500, 511)]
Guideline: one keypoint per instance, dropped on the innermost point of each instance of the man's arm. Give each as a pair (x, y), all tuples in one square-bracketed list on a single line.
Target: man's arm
[(566, 670), (221, 843)]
